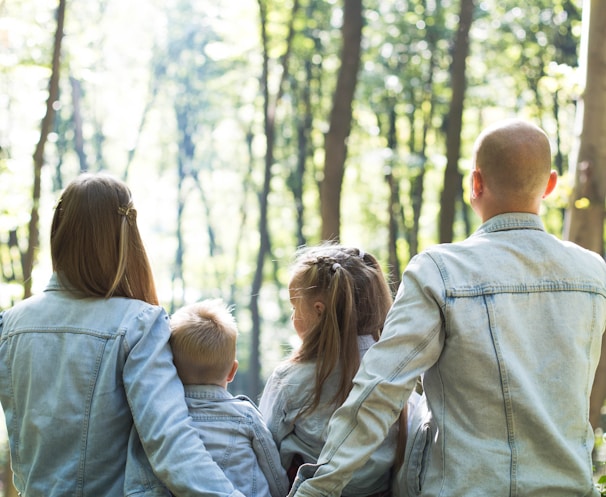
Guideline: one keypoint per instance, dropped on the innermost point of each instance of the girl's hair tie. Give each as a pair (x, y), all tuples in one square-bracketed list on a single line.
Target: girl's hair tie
[(335, 266)]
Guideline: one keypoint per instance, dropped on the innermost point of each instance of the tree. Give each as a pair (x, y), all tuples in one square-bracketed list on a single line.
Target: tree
[(270, 105), (47, 122), (394, 149), (452, 177), (38, 159), (340, 120), (585, 216)]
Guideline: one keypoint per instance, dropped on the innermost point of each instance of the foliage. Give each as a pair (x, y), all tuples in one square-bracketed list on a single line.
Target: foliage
[(170, 99)]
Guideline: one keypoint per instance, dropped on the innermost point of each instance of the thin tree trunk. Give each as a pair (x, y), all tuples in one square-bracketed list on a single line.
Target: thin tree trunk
[(452, 176), (304, 125), (585, 217), (77, 121), (340, 120), (177, 279), (46, 125), (269, 113), (394, 205), (149, 103), (417, 182), (38, 159), (186, 155)]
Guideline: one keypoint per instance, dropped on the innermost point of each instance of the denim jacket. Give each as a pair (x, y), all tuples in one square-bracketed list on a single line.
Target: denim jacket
[(286, 393), (237, 438), (506, 327), (80, 381)]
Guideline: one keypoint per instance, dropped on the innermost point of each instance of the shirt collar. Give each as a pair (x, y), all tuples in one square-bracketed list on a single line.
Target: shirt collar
[(511, 221), (206, 392)]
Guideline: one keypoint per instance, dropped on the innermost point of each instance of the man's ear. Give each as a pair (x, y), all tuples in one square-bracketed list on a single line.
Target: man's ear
[(319, 307), (477, 183), (551, 184), (232, 372)]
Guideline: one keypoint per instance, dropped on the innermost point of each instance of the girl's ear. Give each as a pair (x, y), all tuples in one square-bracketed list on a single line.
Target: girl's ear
[(319, 307)]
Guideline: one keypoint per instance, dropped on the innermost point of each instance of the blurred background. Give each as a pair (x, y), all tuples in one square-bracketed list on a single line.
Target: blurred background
[(247, 129)]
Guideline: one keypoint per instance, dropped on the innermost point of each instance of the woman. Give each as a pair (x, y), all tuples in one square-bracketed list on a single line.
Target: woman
[(87, 382)]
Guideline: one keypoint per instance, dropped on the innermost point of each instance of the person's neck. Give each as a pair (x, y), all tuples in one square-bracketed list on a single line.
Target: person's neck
[(491, 207), (192, 379), (496, 212)]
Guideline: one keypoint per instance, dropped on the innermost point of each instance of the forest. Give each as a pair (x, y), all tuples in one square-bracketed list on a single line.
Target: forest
[(247, 129)]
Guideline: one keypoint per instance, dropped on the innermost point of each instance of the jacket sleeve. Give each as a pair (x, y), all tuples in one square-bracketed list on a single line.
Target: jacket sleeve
[(274, 408), (268, 456), (157, 402), (411, 342)]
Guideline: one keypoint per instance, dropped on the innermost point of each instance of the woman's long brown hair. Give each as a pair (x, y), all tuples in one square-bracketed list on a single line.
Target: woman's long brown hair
[(96, 247)]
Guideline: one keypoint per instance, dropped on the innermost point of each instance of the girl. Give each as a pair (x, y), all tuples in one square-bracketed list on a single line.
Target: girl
[(340, 298)]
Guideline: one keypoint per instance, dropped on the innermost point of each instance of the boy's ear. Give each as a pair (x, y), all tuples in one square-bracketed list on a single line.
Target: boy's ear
[(232, 372)]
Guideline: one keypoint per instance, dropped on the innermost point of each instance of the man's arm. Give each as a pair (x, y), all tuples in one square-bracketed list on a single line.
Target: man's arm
[(411, 343)]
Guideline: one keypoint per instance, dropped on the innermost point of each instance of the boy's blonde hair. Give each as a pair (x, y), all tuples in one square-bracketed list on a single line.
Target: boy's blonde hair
[(203, 339)]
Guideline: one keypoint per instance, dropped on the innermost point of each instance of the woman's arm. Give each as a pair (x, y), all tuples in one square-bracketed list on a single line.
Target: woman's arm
[(156, 398)]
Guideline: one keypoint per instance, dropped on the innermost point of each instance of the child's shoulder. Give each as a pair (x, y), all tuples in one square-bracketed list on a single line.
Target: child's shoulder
[(244, 400), (294, 371), (246, 406)]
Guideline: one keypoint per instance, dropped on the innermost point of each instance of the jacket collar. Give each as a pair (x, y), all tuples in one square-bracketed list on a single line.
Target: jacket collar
[(511, 221)]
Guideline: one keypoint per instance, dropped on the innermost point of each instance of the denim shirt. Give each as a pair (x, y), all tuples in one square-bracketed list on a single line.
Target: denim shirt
[(80, 381), (507, 326), (287, 392), (237, 438)]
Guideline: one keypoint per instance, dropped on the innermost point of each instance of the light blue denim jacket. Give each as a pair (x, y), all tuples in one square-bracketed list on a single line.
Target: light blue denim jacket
[(507, 327), (78, 379), (237, 438), (286, 393)]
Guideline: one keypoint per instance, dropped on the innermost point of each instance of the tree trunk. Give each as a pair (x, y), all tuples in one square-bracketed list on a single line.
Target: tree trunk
[(452, 176), (394, 204), (340, 120), (417, 181), (269, 112), (47, 122), (303, 125), (177, 278), (585, 217), (77, 121)]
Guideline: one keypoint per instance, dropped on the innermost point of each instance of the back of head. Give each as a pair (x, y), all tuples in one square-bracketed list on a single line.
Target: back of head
[(351, 285), (96, 247), (514, 158), (203, 339)]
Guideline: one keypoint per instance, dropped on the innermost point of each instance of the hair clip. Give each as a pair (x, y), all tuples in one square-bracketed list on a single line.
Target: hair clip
[(362, 253), (124, 211)]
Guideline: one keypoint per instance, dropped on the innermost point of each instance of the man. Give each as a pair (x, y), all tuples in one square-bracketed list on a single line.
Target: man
[(505, 329)]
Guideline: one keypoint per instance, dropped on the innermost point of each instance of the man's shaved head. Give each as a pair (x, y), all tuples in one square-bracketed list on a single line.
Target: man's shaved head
[(514, 158)]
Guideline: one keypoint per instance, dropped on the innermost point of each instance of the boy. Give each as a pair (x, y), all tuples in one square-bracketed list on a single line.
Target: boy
[(203, 339)]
